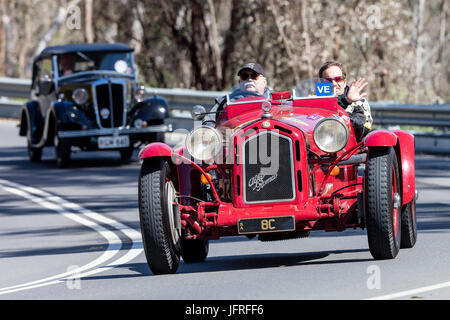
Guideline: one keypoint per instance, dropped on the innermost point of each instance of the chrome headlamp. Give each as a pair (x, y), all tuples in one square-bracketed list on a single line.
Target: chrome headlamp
[(140, 94), (331, 135), (204, 143), (80, 96)]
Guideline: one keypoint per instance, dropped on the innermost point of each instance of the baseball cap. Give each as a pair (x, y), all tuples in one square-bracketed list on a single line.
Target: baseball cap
[(252, 66)]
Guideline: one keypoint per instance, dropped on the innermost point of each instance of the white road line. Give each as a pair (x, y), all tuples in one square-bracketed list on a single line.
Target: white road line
[(58, 204), (412, 292)]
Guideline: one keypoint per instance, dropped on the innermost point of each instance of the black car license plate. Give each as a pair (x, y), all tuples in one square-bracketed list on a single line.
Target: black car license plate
[(260, 225)]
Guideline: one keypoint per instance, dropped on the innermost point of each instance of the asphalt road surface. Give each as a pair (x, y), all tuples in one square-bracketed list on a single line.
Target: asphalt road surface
[(74, 234)]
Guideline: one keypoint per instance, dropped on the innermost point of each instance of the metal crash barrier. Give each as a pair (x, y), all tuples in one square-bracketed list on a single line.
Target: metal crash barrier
[(385, 114)]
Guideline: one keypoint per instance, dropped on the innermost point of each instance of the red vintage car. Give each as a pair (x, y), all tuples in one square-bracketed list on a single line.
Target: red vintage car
[(278, 169)]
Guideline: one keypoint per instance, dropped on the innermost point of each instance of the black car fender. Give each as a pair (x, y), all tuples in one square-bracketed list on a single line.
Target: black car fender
[(31, 121), (68, 116), (154, 108)]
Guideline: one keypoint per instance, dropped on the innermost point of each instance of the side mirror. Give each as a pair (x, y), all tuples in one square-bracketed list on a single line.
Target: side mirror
[(198, 112)]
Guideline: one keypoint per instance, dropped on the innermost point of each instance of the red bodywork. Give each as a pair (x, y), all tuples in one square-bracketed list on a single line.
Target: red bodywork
[(322, 201)]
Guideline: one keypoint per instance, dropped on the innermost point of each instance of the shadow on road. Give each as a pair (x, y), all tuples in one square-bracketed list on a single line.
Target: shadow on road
[(243, 262)]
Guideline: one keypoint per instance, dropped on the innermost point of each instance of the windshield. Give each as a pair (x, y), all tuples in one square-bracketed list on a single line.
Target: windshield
[(107, 61), (238, 96), (313, 88)]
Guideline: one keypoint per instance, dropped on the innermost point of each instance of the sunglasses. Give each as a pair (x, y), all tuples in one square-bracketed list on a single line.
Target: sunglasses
[(337, 79), (252, 75)]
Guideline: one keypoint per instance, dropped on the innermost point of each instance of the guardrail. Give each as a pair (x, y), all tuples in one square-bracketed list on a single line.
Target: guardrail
[(384, 113)]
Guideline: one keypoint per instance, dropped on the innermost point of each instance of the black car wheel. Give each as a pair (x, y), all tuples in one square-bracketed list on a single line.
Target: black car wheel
[(409, 225), (159, 216), (62, 151), (194, 250), (383, 203), (35, 154), (126, 154)]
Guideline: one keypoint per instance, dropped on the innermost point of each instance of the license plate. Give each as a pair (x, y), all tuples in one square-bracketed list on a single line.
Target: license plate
[(110, 142), (260, 225)]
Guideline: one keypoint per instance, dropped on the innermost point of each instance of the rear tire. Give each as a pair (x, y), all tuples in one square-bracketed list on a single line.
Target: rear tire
[(160, 221), (409, 225), (194, 250), (35, 154), (383, 203)]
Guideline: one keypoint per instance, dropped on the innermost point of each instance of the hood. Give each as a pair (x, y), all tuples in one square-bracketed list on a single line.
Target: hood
[(303, 118)]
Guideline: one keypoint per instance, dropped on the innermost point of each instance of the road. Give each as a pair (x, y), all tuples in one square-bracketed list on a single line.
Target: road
[(74, 234)]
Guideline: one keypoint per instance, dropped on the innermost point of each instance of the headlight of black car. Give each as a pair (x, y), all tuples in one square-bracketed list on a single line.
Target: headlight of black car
[(80, 96)]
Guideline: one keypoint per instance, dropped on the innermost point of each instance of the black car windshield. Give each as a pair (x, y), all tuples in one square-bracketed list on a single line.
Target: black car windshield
[(86, 61)]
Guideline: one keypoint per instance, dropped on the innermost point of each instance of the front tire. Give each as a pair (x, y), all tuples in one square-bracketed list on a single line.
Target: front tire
[(159, 217), (62, 151), (383, 203), (126, 154)]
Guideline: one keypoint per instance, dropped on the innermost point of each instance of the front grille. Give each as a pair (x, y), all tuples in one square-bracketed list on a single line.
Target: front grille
[(110, 96), (268, 169)]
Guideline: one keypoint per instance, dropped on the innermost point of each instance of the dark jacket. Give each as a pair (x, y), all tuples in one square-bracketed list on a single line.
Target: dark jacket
[(359, 113)]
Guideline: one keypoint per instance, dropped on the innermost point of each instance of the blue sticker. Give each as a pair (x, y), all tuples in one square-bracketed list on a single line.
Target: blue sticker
[(324, 89)]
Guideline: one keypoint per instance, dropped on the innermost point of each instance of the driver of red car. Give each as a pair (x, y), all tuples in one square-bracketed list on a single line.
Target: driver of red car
[(351, 98), (251, 79)]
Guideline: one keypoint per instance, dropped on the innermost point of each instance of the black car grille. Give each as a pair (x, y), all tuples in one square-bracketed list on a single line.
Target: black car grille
[(110, 96), (268, 168)]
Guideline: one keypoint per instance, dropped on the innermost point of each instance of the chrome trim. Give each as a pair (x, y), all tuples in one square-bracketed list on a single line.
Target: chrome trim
[(109, 82), (55, 74), (329, 119), (113, 131), (293, 175), (397, 201), (97, 73), (229, 102)]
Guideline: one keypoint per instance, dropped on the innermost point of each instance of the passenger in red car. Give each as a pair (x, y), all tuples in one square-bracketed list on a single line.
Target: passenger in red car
[(351, 98)]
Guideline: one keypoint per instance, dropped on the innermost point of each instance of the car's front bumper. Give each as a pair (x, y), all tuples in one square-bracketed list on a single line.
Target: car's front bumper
[(114, 131)]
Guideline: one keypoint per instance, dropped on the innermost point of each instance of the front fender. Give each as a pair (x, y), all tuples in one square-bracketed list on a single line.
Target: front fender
[(381, 138), (403, 144), (66, 113), (405, 151), (154, 108), (32, 121), (155, 149)]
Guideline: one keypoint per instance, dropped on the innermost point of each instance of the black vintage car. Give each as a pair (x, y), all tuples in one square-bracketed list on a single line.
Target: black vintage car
[(86, 96)]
